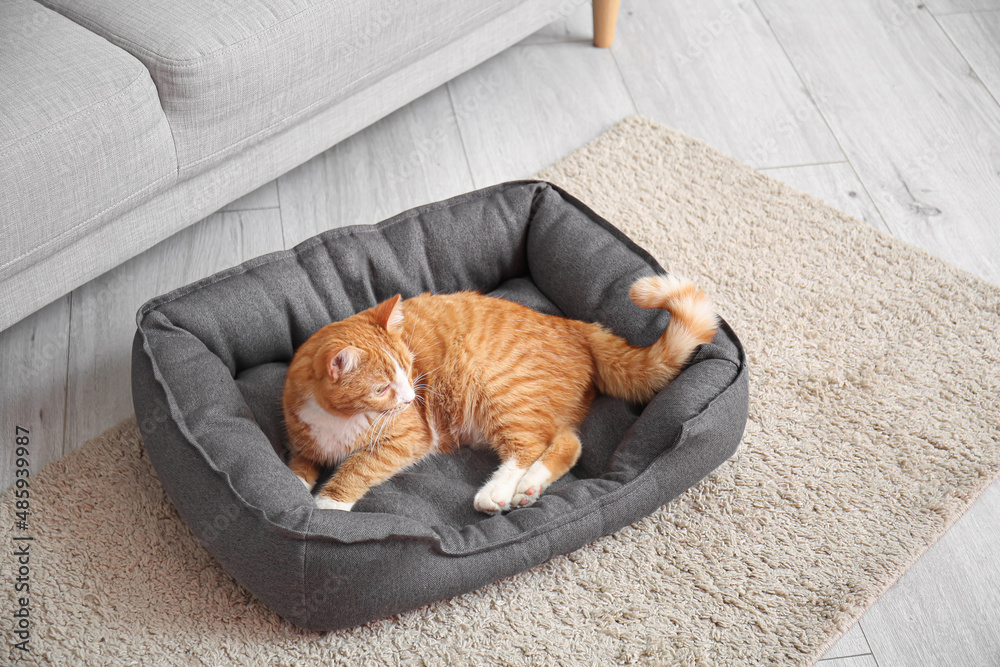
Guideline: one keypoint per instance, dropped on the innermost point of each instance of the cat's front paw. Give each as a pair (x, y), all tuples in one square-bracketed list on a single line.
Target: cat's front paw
[(325, 503), (309, 487)]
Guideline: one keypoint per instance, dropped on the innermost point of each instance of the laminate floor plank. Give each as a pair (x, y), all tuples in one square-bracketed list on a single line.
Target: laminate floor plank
[(977, 36), (921, 133), (956, 6), (852, 644), (33, 356), (103, 313), (527, 107), (837, 185), (266, 196), (946, 609), (715, 71), (413, 156), (853, 661), (574, 23)]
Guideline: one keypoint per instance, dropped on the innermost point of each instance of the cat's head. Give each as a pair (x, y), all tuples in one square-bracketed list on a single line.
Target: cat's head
[(363, 363)]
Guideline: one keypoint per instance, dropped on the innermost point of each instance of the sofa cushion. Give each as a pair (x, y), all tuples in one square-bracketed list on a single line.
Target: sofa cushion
[(82, 135), (209, 362), (231, 72)]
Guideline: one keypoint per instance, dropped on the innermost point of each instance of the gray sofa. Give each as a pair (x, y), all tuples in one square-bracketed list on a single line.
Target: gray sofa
[(123, 122)]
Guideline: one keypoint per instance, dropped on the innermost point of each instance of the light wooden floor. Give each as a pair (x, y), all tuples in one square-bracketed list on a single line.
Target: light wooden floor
[(887, 109)]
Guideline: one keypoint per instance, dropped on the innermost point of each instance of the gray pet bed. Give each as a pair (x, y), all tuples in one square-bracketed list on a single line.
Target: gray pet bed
[(209, 362)]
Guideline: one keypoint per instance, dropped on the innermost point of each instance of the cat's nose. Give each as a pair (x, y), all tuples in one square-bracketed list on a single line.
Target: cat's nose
[(406, 395)]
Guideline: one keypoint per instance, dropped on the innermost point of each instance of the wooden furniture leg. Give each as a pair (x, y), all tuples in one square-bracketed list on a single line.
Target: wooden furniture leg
[(605, 20)]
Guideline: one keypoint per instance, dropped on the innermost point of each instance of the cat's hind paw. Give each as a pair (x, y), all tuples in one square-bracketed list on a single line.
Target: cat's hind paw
[(326, 504), (531, 485), (525, 499), (484, 502), (496, 494)]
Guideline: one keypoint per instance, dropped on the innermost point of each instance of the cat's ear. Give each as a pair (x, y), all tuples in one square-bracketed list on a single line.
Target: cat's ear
[(343, 362), (389, 315)]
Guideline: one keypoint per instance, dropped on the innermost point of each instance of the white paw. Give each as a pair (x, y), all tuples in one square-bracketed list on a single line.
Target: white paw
[(484, 502), (531, 485), (326, 504), (309, 487), (496, 494)]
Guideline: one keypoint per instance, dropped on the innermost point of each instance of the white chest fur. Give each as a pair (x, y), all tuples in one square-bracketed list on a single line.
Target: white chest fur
[(334, 435)]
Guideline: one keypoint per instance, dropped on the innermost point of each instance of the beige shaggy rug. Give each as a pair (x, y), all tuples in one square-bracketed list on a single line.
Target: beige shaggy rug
[(873, 406)]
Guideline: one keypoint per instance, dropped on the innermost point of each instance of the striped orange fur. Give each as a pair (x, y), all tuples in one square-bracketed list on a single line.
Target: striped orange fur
[(378, 391)]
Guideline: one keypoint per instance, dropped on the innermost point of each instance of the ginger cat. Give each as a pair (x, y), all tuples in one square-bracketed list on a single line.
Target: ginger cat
[(379, 390)]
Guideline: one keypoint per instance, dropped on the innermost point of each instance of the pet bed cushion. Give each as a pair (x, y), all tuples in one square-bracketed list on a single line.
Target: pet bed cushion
[(209, 362)]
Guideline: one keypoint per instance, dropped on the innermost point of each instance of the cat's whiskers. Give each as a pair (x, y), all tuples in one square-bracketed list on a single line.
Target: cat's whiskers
[(426, 373), (423, 375), (418, 397), (385, 425), (390, 422), (424, 387), (382, 423), (374, 426), (426, 333)]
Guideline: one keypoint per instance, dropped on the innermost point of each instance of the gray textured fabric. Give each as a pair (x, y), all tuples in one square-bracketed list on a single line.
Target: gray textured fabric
[(82, 135), (209, 362), (193, 198), (231, 73)]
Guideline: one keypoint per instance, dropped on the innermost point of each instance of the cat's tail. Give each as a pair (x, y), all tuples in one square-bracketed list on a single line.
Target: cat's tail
[(637, 373)]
